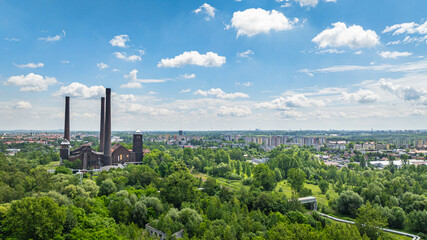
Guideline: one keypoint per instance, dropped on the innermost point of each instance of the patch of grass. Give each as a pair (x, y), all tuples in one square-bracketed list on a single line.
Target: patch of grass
[(52, 165), (231, 184)]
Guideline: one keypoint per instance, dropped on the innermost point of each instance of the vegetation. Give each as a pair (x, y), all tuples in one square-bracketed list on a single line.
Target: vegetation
[(210, 194)]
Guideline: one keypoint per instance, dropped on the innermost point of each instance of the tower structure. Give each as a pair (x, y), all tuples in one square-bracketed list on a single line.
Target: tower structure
[(102, 130), (64, 152), (137, 146), (107, 136), (67, 119)]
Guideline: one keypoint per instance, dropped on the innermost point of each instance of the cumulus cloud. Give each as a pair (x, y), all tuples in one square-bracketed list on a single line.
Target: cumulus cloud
[(185, 90), (210, 59), (245, 84), (30, 65), (31, 82), (131, 58), (292, 101), (102, 65), (251, 22), (152, 111), (246, 53), (219, 93), (207, 9), (331, 50), (406, 93), (308, 3), (291, 114), (408, 28), (83, 115), (80, 90), (225, 111), (53, 38), (361, 96), (120, 41), (131, 85), (22, 105), (134, 82), (394, 55), (188, 76), (342, 36)]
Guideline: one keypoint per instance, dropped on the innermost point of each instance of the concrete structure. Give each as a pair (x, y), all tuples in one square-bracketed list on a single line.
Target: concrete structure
[(309, 200), (159, 234)]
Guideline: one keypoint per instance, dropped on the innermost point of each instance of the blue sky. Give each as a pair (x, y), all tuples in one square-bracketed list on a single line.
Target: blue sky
[(215, 65)]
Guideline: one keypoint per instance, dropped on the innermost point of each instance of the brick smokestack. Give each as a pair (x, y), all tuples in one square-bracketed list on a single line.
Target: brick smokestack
[(107, 142), (102, 130), (67, 119)]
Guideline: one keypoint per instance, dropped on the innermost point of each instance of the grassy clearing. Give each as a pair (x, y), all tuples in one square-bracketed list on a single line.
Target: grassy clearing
[(52, 165), (232, 184), (321, 198)]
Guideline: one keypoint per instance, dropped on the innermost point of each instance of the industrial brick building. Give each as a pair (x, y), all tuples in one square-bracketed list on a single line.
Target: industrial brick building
[(108, 155)]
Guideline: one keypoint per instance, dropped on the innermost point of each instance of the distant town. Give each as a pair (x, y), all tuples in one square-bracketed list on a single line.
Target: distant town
[(337, 148)]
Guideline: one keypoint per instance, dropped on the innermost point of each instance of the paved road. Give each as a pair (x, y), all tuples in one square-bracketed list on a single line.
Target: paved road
[(414, 237)]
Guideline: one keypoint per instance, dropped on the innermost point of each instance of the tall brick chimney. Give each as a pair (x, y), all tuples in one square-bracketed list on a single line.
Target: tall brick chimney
[(67, 119), (107, 142), (102, 130)]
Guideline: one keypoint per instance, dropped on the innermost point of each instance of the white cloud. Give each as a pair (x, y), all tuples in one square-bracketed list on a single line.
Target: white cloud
[(80, 90), (245, 84), (188, 76), (246, 53), (226, 111), (22, 105), (31, 82), (394, 55), (255, 21), (53, 38), (152, 111), (219, 93), (30, 65), (291, 114), (341, 36), (331, 50), (209, 59), (406, 93), (131, 85), (309, 3), (134, 82), (65, 61), (358, 52), (123, 98), (293, 101), (152, 93), (83, 115), (185, 90), (208, 10), (119, 41), (131, 58), (102, 65), (420, 66), (409, 28), (361, 96), (11, 39)]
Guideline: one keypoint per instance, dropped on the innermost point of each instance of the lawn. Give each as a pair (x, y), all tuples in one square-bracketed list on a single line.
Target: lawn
[(231, 184)]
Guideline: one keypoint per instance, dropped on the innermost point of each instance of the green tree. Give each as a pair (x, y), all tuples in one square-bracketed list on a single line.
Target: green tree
[(296, 178), (369, 221), (107, 187), (278, 174), (34, 218), (324, 186), (264, 176), (349, 202), (179, 188)]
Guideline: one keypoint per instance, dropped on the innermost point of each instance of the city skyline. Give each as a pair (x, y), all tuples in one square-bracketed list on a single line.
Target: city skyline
[(215, 65)]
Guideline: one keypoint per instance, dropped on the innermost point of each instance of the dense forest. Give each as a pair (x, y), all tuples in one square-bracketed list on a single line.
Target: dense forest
[(210, 194)]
